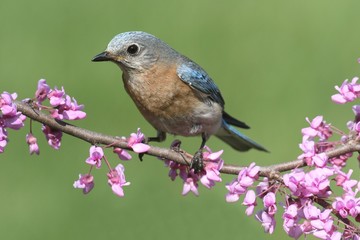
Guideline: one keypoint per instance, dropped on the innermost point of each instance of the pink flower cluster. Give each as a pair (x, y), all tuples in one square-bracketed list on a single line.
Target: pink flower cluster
[(349, 203), (267, 215), (116, 176), (240, 186), (303, 189), (85, 182), (313, 152), (355, 125), (246, 178), (314, 221), (348, 92), (63, 107), (211, 174), (10, 117), (314, 183), (116, 179), (135, 141)]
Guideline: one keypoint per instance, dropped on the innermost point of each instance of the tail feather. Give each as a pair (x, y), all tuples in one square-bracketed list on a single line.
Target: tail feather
[(236, 139)]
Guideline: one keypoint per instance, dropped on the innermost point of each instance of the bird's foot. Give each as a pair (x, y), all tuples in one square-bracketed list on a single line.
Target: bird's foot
[(197, 162), (141, 155)]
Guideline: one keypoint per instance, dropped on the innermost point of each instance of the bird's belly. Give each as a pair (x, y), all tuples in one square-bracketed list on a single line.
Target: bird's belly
[(179, 113), (172, 106), (191, 121)]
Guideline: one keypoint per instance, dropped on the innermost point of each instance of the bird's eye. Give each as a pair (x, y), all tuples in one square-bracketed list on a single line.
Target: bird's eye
[(133, 49)]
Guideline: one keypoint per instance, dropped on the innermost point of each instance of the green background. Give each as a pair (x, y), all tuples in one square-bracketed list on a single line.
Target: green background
[(276, 62)]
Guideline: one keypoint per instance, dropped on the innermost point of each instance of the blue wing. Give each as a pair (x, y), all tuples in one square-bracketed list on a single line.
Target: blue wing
[(192, 74)]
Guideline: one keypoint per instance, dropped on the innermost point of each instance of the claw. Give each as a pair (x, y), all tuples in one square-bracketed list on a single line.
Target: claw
[(141, 155), (197, 162)]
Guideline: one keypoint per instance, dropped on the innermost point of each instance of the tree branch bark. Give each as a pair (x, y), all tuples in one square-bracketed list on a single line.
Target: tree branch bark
[(271, 171)]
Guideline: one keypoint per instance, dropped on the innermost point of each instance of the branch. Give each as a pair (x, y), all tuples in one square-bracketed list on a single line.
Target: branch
[(271, 171)]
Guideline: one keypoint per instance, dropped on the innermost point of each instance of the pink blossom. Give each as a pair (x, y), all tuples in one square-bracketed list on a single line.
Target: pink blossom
[(248, 175), (291, 212), (234, 191), (68, 110), (42, 91), (56, 97), (96, 154), (135, 141), (72, 111), (9, 116), (85, 182), (122, 153), (14, 122), (267, 221), (356, 110), (176, 169), (246, 178), (313, 183), (343, 179), (317, 183), (32, 142), (340, 160), (318, 127), (348, 92), (116, 179), (308, 148), (52, 136), (347, 205), (295, 181), (322, 234), (320, 160), (262, 187), (250, 202), (211, 174), (7, 107), (321, 222), (190, 184), (311, 212), (3, 139), (270, 203), (213, 164), (291, 219), (212, 156), (355, 126)]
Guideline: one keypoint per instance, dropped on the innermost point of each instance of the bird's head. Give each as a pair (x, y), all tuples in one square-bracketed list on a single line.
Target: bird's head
[(134, 51)]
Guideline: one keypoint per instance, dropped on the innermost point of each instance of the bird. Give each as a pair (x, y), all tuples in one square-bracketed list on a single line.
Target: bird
[(173, 93)]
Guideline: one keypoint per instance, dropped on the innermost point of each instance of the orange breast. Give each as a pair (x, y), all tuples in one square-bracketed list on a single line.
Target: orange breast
[(170, 105)]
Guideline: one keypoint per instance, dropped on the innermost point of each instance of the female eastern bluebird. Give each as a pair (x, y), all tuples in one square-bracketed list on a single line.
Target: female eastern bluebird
[(173, 93)]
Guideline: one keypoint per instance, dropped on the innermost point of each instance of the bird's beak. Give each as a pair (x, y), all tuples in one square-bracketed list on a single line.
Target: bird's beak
[(101, 57)]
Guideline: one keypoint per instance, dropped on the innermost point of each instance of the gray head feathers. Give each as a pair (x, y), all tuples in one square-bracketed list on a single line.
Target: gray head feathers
[(139, 50)]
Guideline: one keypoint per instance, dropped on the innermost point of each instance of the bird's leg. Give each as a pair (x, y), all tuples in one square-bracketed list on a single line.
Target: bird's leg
[(197, 162), (161, 136)]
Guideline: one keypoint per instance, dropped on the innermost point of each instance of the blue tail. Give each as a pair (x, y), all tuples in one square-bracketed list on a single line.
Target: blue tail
[(236, 139)]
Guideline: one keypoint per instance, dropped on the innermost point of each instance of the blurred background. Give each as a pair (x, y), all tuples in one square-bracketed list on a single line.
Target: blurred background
[(276, 62)]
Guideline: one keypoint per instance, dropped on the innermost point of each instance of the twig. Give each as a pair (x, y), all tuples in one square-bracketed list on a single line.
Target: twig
[(163, 153)]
